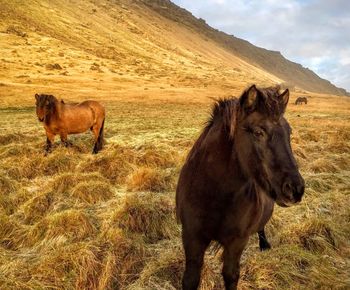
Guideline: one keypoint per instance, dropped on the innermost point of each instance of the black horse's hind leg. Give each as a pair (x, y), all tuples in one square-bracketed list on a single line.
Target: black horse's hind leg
[(232, 255), (263, 242), (194, 251)]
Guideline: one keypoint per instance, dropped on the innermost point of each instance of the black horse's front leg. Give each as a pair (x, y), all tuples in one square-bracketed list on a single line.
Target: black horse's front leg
[(263, 242), (232, 255), (194, 252)]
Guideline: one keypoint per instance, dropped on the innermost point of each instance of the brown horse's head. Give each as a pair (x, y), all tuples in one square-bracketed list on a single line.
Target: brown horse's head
[(262, 142), (45, 105)]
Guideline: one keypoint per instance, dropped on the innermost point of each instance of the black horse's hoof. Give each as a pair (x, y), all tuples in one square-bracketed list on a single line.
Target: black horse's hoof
[(264, 245)]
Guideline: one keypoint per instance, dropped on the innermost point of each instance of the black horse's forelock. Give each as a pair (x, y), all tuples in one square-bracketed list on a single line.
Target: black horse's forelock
[(270, 103)]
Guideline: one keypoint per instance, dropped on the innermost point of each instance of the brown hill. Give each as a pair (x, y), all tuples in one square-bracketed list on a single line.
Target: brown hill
[(130, 48)]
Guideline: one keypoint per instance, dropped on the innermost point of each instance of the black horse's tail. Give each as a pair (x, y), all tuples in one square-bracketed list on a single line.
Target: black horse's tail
[(99, 142)]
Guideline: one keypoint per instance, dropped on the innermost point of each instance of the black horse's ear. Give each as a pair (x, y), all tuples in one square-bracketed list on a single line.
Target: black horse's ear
[(249, 99), (284, 98), (37, 97)]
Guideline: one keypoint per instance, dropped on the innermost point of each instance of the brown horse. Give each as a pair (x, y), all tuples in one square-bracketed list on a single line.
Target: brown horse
[(241, 164), (64, 119), (301, 100)]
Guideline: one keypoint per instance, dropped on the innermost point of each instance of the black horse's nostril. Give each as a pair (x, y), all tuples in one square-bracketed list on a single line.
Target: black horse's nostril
[(299, 192), (288, 188), (293, 189)]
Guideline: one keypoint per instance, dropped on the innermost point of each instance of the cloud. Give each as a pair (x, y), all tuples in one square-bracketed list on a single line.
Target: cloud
[(314, 33)]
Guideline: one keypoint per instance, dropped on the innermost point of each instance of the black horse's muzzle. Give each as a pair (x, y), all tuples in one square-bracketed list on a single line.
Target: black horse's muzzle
[(293, 189)]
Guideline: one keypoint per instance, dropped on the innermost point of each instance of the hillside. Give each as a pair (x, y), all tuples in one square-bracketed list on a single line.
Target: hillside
[(273, 62), (133, 48), (103, 46)]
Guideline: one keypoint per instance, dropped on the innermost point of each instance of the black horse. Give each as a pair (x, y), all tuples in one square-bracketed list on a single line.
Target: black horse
[(241, 164)]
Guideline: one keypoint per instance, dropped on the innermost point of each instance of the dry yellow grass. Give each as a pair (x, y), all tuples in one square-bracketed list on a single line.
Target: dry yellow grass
[(76, 221)]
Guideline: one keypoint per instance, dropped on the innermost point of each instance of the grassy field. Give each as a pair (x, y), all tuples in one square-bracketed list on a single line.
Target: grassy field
[(72, 220)]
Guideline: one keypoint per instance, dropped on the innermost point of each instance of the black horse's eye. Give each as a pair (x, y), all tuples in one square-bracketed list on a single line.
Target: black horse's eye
[(258, 133)]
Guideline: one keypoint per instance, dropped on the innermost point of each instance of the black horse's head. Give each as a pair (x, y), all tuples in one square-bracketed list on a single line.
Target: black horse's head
[(262, 140)]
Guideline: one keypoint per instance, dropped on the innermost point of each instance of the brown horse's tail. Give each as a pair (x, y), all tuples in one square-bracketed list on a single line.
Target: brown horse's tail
[(99, 142)]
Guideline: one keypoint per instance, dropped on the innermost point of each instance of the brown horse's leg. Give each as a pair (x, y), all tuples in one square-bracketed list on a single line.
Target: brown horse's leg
[(263, 242), (232, 255), (64, 139), (194, 251), (97, 129), (49, 140)]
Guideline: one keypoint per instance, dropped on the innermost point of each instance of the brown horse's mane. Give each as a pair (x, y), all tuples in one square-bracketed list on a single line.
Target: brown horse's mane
[(52, 103), (50, 98)]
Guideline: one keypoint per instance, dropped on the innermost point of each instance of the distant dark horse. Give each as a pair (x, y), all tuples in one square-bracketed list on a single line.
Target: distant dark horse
[(63, 119), (241, 164), (301, 100)]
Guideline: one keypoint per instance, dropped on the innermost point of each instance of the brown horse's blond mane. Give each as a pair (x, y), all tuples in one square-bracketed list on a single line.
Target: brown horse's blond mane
[(45, 97), (52, 104)]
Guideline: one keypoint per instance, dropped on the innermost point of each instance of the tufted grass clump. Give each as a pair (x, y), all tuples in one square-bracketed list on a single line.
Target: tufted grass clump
[(149, 214)]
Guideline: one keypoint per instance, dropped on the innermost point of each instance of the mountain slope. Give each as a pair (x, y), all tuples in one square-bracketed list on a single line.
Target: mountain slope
[(130, 48), (271, 61)]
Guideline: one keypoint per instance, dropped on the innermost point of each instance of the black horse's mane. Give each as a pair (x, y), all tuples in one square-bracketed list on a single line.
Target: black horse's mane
[(226, 109)]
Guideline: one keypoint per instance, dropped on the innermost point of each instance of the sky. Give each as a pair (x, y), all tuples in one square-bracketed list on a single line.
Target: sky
[(314, 33)]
